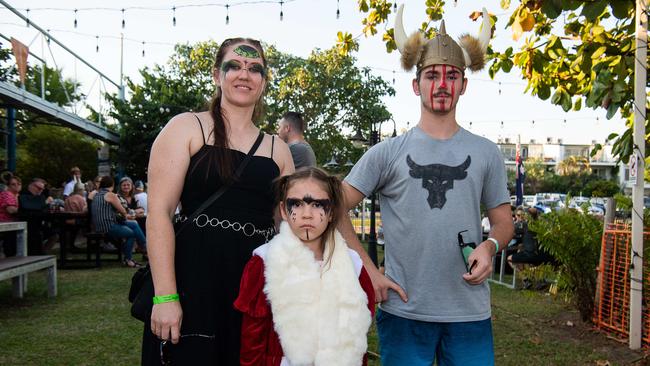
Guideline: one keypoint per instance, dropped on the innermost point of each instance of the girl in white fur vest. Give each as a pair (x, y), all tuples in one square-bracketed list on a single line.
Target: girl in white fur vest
[(305, 297)]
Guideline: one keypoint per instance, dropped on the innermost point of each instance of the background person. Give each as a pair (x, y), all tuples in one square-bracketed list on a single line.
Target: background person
[(141, 196), (105, 209), (75, 177), (32, 204), (199, 271), (291, 129), (9, 213)]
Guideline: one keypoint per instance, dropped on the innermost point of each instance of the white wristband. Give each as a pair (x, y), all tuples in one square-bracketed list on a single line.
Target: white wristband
[(496, 243)]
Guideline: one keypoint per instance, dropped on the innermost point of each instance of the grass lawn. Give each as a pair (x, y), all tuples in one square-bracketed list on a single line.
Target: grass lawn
[(89, 323)]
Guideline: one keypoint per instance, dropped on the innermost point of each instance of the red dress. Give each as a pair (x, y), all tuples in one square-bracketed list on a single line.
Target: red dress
[(260, 345)]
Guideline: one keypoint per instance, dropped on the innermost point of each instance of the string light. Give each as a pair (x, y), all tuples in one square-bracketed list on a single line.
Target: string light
[(75, 18), (393, 77), (395, 6), (123, 21), (97, 46), (27, 17), (281, 13), (174, 18), (499, 88), (142, 48), (501, 124), (338, 11), (227, 14)]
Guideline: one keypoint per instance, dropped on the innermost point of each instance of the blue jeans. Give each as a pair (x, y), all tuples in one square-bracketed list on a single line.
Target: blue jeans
[(130, 230), (417, 343)]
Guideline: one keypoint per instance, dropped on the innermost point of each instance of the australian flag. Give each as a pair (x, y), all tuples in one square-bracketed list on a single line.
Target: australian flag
[(521, 175)]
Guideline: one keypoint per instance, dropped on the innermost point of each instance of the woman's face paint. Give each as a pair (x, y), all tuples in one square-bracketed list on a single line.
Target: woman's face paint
[(241, 76), (307, 210), (445, 81), (253, 68), (245, 50)]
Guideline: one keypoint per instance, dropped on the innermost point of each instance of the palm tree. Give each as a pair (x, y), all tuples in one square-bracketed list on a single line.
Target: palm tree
[(574, 165)]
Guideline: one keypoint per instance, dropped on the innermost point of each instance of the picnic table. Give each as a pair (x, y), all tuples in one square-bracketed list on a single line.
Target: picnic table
[(19, 266), (65, 223)]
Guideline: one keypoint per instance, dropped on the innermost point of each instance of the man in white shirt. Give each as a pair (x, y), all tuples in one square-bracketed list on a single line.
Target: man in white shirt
[(75, 177)]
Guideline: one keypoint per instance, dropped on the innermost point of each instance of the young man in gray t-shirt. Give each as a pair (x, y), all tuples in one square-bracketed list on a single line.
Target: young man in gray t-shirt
[(431, 182), (291, 130)]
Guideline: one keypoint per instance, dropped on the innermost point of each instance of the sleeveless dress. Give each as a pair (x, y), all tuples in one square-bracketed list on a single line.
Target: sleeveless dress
[(210, 257)]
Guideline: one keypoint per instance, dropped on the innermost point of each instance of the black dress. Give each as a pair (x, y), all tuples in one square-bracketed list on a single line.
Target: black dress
[(210, 257)]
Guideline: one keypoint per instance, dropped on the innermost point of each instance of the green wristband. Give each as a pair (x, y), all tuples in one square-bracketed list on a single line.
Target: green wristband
[(496, 244), (165, 298)]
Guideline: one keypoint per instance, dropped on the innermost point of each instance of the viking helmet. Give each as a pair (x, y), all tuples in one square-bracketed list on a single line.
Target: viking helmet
[(442, 49)]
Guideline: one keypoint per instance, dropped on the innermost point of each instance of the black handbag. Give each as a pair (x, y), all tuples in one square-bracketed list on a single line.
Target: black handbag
[(142, 291)]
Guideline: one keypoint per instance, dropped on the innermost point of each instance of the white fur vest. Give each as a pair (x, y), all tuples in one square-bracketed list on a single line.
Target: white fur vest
[(321, 315)]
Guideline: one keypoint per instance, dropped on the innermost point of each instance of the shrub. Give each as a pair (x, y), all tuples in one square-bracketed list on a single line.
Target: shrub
[(574, 240)]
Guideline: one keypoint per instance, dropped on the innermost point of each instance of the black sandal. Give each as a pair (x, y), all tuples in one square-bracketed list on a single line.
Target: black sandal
[(131, 263)]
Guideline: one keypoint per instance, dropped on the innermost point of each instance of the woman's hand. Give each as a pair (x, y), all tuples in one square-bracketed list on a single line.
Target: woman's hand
[(166, 320)]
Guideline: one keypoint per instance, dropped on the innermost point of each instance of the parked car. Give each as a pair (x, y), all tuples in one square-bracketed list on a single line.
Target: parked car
[(578, 201)]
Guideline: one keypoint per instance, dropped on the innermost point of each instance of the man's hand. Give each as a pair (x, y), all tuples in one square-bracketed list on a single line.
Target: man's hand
[(483, 267), (382, 284)]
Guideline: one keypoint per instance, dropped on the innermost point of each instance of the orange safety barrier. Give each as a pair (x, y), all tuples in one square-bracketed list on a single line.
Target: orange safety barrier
[(357, 220), (612, 307)]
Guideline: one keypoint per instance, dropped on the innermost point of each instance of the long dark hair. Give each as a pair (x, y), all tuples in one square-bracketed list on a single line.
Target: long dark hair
[(224, 161), (330, 184)]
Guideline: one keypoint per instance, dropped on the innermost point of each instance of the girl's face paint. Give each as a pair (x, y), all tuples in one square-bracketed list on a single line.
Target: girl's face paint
[(307, 210), (443, 81)]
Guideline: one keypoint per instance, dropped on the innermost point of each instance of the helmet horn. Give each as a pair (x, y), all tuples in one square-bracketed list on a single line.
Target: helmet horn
[(400, 34)]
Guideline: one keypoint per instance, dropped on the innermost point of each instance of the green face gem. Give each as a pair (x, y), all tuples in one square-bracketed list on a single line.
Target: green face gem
[(246, 51)]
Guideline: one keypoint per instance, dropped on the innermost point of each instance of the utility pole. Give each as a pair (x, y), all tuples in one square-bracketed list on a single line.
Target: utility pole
[(640, 97), (121, 66)]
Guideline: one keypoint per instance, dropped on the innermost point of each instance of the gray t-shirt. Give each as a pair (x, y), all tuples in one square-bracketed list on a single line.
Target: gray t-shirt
[(302, 154), (429, 191)]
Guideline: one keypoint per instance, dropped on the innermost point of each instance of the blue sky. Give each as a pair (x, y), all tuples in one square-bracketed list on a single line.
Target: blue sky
[(307, 24)]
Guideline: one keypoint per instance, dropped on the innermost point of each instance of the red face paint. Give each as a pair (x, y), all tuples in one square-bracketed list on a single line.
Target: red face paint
[(443, 86), (453, 89)]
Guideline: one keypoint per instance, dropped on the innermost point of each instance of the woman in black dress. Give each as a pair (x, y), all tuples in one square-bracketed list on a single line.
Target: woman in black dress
[(191, 158)]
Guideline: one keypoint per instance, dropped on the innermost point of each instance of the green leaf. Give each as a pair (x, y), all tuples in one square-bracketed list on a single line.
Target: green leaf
[(544, 92), (506, 65), (599, 52), (611, 110), (592, 10), (363, 6), (566, 101), (612, 136), (557, 96), (622, 9), (551, 8), (578, 104), (595, 150)]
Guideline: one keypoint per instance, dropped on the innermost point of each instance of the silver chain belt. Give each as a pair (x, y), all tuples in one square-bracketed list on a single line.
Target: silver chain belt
[(247, 228)]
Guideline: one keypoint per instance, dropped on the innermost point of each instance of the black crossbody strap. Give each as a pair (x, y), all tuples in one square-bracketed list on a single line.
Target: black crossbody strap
[(224, 187)]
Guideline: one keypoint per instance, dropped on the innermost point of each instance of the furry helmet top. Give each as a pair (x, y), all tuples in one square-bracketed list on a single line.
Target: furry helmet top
[(417, 51)]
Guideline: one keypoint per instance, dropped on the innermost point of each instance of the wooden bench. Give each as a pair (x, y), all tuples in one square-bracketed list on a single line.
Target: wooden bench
[(16, 267), (19, 266)]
